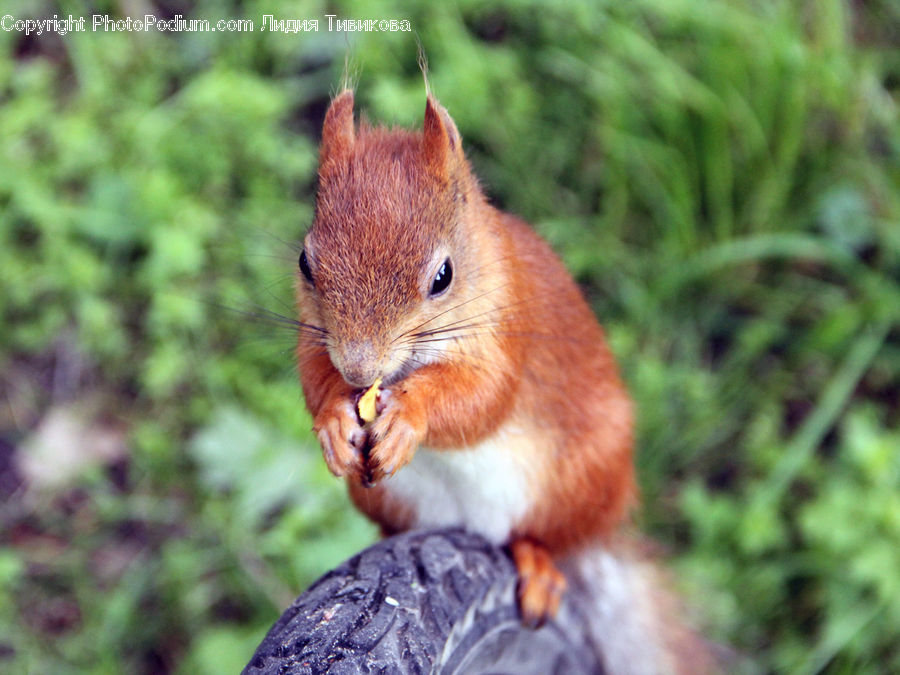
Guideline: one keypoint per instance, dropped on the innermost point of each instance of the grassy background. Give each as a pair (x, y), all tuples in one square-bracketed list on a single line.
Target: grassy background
[(723, 176)]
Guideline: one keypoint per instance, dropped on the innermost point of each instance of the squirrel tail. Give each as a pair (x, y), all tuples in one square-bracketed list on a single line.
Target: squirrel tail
[(634, 621)]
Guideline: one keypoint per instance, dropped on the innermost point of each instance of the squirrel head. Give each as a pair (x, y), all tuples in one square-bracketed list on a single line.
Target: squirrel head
[(393, 250)]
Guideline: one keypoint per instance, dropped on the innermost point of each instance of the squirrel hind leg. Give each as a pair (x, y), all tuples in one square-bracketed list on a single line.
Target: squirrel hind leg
[(541, 585)]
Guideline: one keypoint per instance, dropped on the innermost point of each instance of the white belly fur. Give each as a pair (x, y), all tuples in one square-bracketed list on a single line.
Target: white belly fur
[(483, 488)]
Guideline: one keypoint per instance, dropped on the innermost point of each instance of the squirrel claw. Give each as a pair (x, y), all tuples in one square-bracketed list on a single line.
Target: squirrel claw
[(541, 585), (391, 453), (342, 439), (394, 437)]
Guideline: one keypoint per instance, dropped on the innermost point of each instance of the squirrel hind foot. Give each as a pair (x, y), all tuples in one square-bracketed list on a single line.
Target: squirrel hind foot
[(541, 585)]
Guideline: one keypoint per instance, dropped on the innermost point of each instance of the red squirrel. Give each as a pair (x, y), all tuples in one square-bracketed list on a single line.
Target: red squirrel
[(500, 407)]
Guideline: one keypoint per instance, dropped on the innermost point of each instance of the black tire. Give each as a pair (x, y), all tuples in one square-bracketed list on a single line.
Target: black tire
[(438, 602)]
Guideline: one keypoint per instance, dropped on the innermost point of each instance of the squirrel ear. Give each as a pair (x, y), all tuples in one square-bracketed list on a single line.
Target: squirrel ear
[(338, 134), (442, 139)]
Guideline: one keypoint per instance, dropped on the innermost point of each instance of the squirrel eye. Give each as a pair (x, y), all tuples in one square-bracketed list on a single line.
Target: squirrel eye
[(442, 279), (304, 267)]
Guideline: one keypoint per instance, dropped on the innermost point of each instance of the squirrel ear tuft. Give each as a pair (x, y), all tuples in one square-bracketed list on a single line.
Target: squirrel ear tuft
[(338, 133), (442, 139)]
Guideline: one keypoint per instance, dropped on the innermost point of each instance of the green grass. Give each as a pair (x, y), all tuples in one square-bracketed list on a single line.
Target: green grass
[(722, 176)]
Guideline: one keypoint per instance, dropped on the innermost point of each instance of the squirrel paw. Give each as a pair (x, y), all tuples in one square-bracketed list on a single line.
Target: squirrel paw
[(342, 438), (394, 436), (541, 585)]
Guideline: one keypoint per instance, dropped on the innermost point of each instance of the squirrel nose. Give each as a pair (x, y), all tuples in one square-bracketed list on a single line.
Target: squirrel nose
[(359, 364)]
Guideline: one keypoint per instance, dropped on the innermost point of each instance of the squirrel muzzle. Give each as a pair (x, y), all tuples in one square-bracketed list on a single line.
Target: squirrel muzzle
[(359, 363)]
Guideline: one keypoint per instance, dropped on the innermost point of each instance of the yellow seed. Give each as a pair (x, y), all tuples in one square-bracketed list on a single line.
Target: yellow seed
[(366, 405)]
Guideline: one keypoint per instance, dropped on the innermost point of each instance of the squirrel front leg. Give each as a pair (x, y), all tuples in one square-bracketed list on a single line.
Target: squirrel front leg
[(446, 404), (331, 402), (443, 404)]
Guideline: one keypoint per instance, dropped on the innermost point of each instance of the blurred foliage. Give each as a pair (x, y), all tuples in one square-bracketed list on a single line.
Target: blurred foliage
[(722, 175)]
